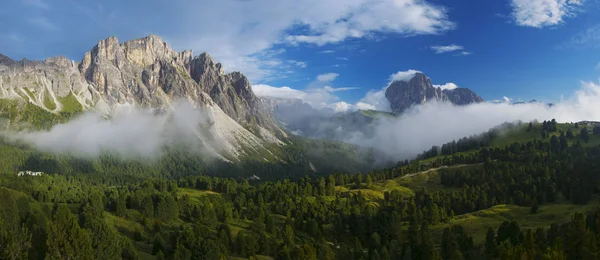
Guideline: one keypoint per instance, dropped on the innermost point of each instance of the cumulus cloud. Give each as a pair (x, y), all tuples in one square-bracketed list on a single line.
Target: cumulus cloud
[(542, 13), (341, 106), (365, 106), (327, 77), (359, 18), (234, 32), (374, 100), (247, 28), (263, 90), (403, 75), (448, 86), (439, 49), (317, 97)]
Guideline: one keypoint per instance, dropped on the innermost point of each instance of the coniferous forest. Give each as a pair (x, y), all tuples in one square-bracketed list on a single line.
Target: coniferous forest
[(527, 193)]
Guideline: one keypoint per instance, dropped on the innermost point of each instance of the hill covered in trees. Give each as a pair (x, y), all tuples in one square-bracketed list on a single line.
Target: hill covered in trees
[(526, 192)]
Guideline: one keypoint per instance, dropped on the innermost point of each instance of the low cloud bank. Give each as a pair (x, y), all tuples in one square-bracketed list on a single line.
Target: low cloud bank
[(130, 132), (436, 123)]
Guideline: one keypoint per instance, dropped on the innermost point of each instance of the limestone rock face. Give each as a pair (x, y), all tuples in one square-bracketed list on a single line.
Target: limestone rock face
[(462, 96), (419, 90), (232, 92), (146, 73)]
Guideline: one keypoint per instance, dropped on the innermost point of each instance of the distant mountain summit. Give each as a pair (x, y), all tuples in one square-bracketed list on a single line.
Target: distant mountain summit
[(403, 94)]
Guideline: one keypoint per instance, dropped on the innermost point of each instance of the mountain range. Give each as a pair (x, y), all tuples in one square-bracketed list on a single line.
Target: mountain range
[(302, 119), (147, 73)]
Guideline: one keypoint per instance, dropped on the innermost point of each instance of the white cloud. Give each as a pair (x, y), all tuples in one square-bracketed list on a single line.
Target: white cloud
[(374, 100), (359, 18), (542, 13), (365, 106), (327, 51), (299, 64), (402, 137), (236, 33), (245, 28), (342, 58), (332, 89), (438, 49), (506, 99), (317, 97), (327, 77), (263, 90), (403, 75), (448, 86), (464, 53), (341, 106)]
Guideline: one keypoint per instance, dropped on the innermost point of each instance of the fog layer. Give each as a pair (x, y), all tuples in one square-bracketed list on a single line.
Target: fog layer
[(436, 123), (129, 132)]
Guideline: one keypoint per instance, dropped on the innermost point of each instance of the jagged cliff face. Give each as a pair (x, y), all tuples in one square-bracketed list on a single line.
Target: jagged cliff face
[(419, 90), (233, 93), (146, 73), (462, 96)]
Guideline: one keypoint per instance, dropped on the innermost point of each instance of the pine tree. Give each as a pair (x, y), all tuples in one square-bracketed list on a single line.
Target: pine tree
[(584, 135), (570, 134), (490, 242), (121, 206), (66, 240), (534, 207), (15, 239), (158, 245)]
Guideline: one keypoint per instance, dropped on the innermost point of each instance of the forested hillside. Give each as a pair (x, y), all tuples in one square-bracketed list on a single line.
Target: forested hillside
[(531, 199)]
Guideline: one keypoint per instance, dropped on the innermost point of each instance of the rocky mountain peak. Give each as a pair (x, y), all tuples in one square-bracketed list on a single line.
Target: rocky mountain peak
[(145, 73), (418, 90), (5, 60)]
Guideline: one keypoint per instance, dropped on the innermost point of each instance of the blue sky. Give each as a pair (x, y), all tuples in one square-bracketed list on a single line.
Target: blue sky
[(521, 49)]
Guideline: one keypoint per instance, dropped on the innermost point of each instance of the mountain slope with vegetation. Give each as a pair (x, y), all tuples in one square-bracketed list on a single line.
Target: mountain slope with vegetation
[(534, 198)]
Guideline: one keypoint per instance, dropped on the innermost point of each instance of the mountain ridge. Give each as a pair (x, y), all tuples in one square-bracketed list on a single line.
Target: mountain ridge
[(146, 73)]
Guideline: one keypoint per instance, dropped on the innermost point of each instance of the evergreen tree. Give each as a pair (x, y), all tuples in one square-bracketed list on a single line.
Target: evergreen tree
[(584, 135), (490, 242), (570, 134), (66, 240)]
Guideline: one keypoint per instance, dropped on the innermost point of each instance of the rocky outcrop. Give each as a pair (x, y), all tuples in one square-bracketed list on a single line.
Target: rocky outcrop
[(462, 96), (145, 73), (419, 90), (232, 92)]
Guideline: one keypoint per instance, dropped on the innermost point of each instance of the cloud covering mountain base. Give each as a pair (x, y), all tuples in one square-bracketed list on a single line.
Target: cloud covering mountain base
[(134, 132), (129, 132), (435, 123)]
